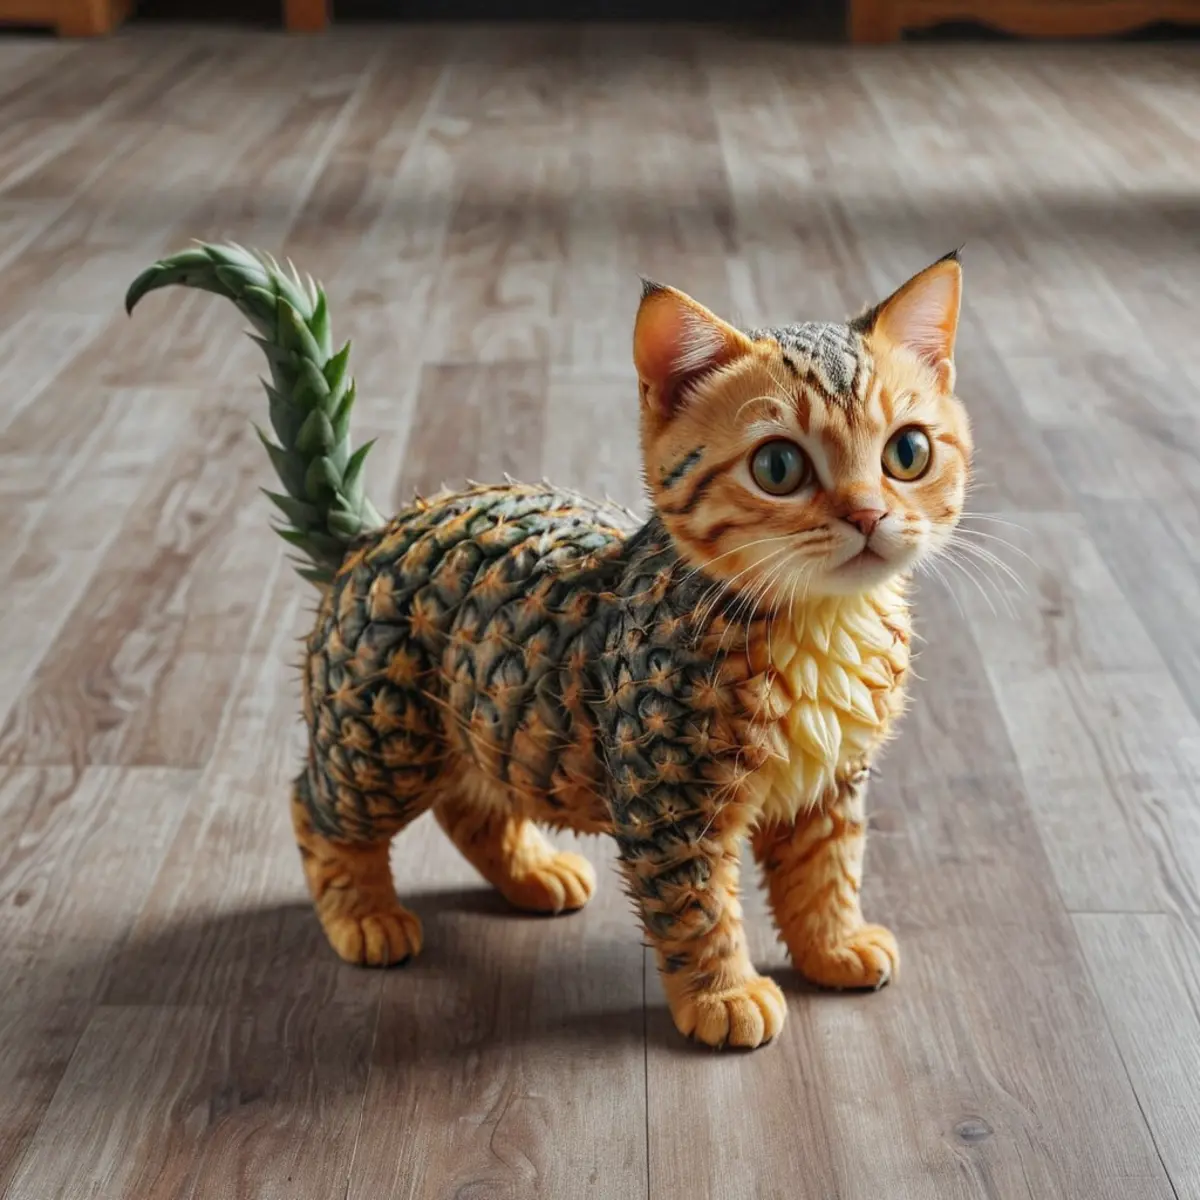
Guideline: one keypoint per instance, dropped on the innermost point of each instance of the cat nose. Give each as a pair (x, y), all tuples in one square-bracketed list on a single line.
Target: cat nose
[(865, 520)]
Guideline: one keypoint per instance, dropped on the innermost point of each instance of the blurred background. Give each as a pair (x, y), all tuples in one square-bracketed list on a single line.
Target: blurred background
[(479, 192)]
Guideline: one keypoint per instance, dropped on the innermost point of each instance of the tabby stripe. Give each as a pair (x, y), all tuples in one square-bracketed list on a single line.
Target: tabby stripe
[(950, 440), (803, 407), (887, 405), (700, 489), (846, 402), (681, 468), (709, 537)]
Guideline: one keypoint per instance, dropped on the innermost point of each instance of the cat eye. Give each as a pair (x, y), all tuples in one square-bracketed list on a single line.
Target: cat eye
[(908, 452), (780, 467)]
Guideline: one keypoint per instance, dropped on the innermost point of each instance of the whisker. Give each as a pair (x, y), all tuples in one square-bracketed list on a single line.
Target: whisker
[(777, 537), (994, 537), (756, 594), (976, 581), (995, 518), (753, 566), (983, 554), (932, 567), (996, 573)]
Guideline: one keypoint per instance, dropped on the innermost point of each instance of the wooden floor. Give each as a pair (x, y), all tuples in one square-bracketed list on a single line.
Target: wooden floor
[(480, 204)]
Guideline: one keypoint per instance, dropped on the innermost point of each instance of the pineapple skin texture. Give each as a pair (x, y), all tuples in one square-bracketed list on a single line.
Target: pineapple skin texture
[(457, 649), (517, 655)]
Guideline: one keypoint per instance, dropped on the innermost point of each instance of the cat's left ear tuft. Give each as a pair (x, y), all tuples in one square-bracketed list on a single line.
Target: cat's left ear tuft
[(922, 316)]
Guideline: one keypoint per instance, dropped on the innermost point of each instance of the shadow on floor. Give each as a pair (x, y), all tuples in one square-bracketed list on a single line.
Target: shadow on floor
[(487, 976)]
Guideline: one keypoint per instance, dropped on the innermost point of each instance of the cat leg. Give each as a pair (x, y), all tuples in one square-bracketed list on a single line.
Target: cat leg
[(511, 853), (813, 871), (693, 919), (351, 886)]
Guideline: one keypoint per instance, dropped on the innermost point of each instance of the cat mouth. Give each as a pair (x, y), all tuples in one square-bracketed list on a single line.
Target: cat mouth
[(866, 557), (864, 569)]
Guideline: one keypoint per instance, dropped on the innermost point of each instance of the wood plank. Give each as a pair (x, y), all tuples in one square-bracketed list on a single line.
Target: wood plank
[(249, 918), (116, 92), (231, 185), (515, 1044), (991, 961), (105, 690), (79, 855), (1158, 570), (161, 614), (374, 227), (1145, 968), (1104, 739), (34, 352), (590, 436), (239, 1091), (57, 540), (475, 422), (657, 205), (502, 266), (225, 1003)]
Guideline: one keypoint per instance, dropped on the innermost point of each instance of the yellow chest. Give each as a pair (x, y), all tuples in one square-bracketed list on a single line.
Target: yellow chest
[(836, 679)]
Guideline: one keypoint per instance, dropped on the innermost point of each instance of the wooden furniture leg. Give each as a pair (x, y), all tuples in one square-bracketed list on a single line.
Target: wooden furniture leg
[(873, 21), (305, 16)]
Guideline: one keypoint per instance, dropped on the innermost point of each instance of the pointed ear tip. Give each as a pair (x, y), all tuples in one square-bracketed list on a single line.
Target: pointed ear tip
[(955, 257), (650, 287)]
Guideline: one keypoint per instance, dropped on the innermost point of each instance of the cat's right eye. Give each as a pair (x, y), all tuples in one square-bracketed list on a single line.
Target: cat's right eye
[(780, 467)]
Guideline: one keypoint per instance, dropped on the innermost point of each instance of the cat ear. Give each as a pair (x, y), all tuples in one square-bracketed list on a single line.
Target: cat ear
[(675, 341), (922, 315)]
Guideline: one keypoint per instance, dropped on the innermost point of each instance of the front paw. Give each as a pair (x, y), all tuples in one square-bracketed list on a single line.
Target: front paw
[(746, 1015), (867, 958), (387, 937)]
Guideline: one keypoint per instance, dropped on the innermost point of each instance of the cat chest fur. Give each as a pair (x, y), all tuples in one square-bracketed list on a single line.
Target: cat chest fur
[(829, 693)]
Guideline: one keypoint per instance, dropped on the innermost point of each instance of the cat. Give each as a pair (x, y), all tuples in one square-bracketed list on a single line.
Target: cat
[(515, 656)]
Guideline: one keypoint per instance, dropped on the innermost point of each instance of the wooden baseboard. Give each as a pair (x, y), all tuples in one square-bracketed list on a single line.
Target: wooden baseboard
[(305, 16), (886, 20)]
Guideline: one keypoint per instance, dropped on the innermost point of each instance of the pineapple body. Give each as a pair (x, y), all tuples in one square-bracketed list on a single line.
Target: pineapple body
[(456, 649), (530, 649)]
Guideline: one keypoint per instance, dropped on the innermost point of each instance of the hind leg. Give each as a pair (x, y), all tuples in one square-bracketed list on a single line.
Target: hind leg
[(351, 886), (513, 856)]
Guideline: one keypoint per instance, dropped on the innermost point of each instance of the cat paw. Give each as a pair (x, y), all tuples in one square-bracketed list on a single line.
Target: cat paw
[(867, 958), (562, 883), (378, 939), (744, 1016)]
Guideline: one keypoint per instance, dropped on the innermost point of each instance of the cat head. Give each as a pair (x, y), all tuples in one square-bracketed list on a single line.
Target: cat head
[(814, 459)]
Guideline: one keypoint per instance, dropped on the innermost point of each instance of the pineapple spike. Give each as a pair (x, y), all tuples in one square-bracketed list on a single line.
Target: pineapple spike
[(322, 493)]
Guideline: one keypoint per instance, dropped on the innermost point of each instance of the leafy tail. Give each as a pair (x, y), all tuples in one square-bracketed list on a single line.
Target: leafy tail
[(311, 395)]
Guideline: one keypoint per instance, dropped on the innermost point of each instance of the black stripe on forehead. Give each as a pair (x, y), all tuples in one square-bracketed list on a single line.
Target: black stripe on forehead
[(834, 354)]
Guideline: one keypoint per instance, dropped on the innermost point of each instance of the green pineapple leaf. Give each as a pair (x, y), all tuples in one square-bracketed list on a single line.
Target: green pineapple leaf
[(310, 394)]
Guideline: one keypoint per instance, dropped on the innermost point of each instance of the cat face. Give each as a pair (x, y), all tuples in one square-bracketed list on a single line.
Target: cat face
[(812, 459)]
